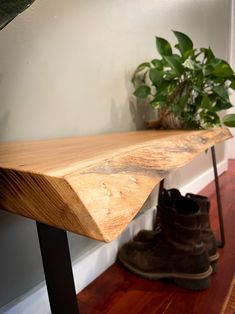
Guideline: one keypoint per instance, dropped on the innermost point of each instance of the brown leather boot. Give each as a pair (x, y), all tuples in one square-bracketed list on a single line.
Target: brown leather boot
[(207, 234), (150, 236), (178, 253)]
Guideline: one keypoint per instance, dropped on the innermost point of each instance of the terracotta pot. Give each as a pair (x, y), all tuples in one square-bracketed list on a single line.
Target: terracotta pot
[(169, 121)]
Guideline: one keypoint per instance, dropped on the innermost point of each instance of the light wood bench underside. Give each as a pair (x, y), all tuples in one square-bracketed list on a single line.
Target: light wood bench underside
[(94, 185)]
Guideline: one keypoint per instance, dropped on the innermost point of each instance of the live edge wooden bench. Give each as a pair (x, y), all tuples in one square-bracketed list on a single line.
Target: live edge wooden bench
[(93, 186)]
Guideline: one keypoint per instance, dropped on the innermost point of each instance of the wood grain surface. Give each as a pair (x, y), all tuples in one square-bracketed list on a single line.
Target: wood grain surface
[(94, 185)]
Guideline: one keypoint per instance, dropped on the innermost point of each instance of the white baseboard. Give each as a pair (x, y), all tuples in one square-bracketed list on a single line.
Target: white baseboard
[(197, 184), (95, 262)]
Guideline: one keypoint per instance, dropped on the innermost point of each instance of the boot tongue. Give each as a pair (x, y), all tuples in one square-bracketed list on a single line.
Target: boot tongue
[(201, 200), (177, 203), (169, 197), (186, 206)]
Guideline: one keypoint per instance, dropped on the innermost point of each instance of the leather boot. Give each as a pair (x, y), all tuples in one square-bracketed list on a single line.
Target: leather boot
[(178, 253), (150, 236), (207, 234)]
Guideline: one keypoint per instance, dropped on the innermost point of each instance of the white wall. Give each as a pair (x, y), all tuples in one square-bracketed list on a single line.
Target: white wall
[(65, 69), (230, 145), (66, 65)]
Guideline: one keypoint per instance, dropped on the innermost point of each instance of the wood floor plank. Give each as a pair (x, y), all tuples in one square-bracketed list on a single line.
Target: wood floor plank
[(117, 291)]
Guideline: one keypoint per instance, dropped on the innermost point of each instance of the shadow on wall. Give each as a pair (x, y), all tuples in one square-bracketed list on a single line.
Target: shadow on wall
[(3, 124), (119, 117), (129, 118), (141, 113), (130, 115), (4, 117), (139, 110)]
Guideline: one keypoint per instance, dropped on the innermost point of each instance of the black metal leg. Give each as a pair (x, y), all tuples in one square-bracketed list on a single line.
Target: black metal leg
[(57, 269), (219, 205), (161, 187)]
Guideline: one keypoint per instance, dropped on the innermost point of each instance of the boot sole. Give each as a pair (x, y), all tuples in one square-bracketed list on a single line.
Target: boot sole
[(212, 258), (198, 281)]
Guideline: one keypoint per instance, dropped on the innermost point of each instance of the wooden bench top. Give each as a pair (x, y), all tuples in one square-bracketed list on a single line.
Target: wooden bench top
[(94, 185)]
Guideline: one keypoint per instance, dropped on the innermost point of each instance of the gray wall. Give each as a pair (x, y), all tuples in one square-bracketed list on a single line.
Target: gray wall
[(65, 69)]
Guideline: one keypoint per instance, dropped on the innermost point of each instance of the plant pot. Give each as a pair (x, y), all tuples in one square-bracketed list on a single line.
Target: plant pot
[(169, 121)]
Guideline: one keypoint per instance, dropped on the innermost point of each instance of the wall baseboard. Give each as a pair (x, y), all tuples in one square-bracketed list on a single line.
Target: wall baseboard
[(198, 183), (93, 263)]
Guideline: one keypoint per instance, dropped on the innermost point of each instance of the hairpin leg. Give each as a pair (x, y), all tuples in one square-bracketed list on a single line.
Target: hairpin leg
[(221, 243), (161, 187)]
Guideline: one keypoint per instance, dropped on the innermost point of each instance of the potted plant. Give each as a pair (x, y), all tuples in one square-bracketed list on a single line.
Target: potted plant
[(189, 87)]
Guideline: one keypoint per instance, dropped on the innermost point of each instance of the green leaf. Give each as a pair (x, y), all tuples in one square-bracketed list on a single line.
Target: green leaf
[(220, 105), (198, 101), (177, 57), (176, 109), (140, 68), (169, 75), (160, 97), (220, 67), (211, 118), (206, 102), (179, 107), (156, 76), (172, 87), (157, 64), (199, 78), (222, 70), (190, 53), (185, 43), (232, 85), (222, 92), (177, 47), (183, 101), (159, 101), (142, 91), (207, 69), (218, 80), (163, 47), (174, 64), (215, 61), (208, 53), (190, 64), (229, 120), (157, 104), (163, 88)]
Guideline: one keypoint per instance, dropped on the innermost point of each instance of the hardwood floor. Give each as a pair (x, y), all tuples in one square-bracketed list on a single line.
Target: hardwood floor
[(119, 292)]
